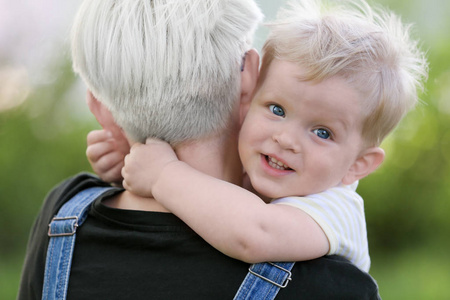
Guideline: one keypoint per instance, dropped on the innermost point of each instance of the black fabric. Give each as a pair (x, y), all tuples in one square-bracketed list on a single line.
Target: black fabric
[(124, 254)]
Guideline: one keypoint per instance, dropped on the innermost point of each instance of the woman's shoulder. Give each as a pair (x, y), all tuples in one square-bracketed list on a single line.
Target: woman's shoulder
[(68, 188), (332, 277), (63, 192)]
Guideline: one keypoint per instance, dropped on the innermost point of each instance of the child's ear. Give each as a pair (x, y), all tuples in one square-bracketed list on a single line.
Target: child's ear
[(102, 114), (249, 78), (369, 160)]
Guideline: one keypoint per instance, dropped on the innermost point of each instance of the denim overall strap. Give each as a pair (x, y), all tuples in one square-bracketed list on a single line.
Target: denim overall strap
[(264, 280), (62, 235)]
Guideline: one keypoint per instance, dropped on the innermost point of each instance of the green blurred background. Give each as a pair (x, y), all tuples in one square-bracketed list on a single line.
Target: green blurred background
[(44, 121)]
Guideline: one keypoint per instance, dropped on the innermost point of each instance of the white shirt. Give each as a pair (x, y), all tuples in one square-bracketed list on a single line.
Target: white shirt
[(339, 211)]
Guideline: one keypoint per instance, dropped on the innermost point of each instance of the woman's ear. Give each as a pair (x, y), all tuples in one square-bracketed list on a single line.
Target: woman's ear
[(369, 160), (249, 79), (103, 115)]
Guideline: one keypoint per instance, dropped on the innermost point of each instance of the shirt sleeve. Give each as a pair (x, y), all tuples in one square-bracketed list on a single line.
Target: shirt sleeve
[(339, 211)]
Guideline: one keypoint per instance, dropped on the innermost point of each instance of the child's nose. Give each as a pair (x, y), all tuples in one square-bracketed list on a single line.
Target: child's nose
[(288, 140)]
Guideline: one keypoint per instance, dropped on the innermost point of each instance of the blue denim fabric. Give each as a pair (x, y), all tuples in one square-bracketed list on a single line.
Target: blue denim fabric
[(62, 240), (264, 281)]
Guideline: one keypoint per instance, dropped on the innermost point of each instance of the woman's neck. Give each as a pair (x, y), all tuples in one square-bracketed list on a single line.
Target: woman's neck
[(216, 156)]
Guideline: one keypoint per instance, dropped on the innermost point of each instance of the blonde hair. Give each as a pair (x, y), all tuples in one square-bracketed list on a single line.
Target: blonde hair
[(164, 68), (370, 48)]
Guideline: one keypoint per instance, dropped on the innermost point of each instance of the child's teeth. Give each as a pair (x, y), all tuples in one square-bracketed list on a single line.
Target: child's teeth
[(274, 163)]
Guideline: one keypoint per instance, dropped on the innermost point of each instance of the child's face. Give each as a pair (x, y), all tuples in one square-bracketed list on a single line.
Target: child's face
[(300, 137)]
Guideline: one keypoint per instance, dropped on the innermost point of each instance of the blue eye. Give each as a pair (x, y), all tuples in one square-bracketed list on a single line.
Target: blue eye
[(277, 110), (322, 133)]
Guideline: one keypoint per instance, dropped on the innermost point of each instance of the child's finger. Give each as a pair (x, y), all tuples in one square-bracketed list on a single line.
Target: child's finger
[(108, 162), (158, 145), (150, 141), (95, 151), (113, 175), (124, 181), (97, 136)]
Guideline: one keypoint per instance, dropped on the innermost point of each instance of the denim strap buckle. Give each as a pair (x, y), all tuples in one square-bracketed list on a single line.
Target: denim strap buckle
[(61, 243), (282, 285), (63, 226)]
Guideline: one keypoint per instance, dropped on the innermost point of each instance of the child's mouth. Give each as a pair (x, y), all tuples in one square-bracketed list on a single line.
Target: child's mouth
[(275, 163)]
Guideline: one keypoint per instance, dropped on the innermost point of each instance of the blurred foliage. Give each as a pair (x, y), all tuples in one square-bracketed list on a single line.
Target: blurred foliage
[(407, 200), (42, 142)]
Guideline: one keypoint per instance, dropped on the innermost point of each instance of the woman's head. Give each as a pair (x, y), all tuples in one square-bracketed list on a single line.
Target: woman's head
[(166, 69)]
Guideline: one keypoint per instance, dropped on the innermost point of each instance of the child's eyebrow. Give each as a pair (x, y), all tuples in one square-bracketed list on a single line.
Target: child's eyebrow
[(332, 120)]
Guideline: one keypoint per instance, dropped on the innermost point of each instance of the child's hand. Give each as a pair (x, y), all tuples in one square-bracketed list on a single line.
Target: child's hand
[(144, 165), (106, 153)]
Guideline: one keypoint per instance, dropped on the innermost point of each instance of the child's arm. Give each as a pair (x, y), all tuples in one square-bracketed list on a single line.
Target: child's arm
[(105, 152), (233, 220)]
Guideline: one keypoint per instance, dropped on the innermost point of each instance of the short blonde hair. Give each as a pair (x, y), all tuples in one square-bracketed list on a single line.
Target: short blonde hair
[(370, 48), (164, 68)]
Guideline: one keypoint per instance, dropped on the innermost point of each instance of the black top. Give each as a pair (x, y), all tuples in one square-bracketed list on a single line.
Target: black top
[(125, 254)]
